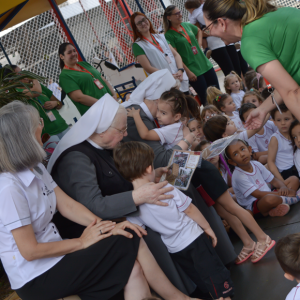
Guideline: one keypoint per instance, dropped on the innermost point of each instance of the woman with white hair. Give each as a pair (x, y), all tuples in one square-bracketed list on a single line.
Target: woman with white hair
[(39, 264)]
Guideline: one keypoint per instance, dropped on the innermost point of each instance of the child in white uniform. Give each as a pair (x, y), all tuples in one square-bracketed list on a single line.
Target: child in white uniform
[(225, 104), (287, 253), (295, 138), (180, 224), (249, 182), (233, 86), (172, 106), (262, 138), (281, 154)]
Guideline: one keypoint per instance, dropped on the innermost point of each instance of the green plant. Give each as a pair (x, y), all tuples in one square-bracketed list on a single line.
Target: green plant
[(10, 82)]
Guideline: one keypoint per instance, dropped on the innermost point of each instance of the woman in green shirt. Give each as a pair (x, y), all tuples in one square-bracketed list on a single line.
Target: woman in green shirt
[(82, 82), (185, 39), (270, 44)]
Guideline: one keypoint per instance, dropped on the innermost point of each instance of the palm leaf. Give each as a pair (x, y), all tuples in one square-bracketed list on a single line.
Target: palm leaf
[(12, 81)]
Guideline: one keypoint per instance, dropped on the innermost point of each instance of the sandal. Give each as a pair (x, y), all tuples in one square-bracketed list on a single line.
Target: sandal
[(280, 210), (245, 254), (261, 249)]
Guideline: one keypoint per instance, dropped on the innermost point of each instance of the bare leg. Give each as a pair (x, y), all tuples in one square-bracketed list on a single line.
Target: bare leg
[(155, 276), (235, 224), (137, 286), (268, 202), (292, 183), (227, 202)]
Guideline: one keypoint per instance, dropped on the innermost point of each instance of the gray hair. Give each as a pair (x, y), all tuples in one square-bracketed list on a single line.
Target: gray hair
[(18, 145)]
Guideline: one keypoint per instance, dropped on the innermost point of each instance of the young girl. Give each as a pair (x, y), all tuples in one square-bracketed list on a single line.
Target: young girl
[(258, 83), (172, 107), (233, 86), (232, 220), (249, 77), (209, 111), (225, 104), (211, 94), (253, 96), (249, 181), (195, 127), (295, 138)]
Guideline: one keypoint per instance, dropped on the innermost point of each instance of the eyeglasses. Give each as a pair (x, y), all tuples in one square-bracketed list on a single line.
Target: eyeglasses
[(210, 116), (144, 20), (41, 122), (121, 131), (177, 14), (206, 29)]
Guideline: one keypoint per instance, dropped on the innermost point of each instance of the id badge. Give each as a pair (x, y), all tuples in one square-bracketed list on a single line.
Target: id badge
[(98, 84), (168, 59), (194, 49), (51, 116)]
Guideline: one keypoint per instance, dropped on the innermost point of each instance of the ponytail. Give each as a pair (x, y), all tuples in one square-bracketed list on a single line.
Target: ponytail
[(212, 93), (61, 50), (193, 107), (245, 11)]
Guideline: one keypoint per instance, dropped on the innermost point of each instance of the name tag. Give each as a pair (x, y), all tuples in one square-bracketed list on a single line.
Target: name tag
[(194, 49), (98, 84), (168, 59), (51, 116)]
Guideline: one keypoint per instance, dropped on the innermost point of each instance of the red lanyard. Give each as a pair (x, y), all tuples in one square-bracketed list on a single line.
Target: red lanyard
[(185, 34), (157, 46), (82, 68)]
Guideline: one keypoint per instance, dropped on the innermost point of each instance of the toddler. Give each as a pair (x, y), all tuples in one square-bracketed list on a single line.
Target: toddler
[(280, 153), (249, 182), (262, 137), (224, 103), (172, 107), (254, 97), (195, 127), (180, 224), (287, 253), (209, 111), (233, 87)]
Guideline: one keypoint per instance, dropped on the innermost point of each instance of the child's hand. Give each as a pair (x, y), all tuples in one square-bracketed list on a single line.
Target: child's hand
[(284, 191), (132, 112), (209, 232)]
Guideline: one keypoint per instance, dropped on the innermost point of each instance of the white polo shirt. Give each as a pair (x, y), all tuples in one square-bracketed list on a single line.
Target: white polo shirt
[(170, 135), (294, 294), (177, 230), (245, 183), (26, 198), (263, 140)]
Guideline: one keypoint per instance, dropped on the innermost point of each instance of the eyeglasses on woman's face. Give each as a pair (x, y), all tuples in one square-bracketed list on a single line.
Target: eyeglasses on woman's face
[(120, 131), (207, 29), (139, 23), (177, 14)]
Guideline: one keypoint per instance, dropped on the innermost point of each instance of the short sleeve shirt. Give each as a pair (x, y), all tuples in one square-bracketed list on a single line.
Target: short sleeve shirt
[(245, 183), (275, 36), (197, 63), (294, 294), (177, 230), (50, 127), (26, 198), (170, 135), (263, 140), (70, 81)]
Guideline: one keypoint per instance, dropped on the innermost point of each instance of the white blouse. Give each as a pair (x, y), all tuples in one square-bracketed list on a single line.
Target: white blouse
[(26, 198)]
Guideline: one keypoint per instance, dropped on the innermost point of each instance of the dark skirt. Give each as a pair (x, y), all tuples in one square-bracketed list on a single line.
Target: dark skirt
[(98, 272)]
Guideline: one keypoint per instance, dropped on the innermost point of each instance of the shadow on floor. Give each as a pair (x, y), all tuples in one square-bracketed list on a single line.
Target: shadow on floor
[(264, 280)]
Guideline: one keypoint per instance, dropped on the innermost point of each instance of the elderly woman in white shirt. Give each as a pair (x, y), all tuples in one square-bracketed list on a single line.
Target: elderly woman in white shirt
[(39, 264)]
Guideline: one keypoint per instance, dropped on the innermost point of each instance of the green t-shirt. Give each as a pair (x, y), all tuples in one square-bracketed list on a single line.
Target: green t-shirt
[(137, 50), (50, 127), (197, 63), (70, 81), (275, 36)]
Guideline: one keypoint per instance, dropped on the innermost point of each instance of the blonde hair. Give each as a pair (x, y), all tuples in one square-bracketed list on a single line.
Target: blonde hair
[(245, 11), (212, 93), (231, 75)]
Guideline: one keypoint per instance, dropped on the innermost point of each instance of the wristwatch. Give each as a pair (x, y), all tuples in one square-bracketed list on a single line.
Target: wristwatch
[(181, 69)]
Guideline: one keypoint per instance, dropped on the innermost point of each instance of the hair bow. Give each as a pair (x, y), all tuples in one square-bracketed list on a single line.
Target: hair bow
[(218, 98)]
